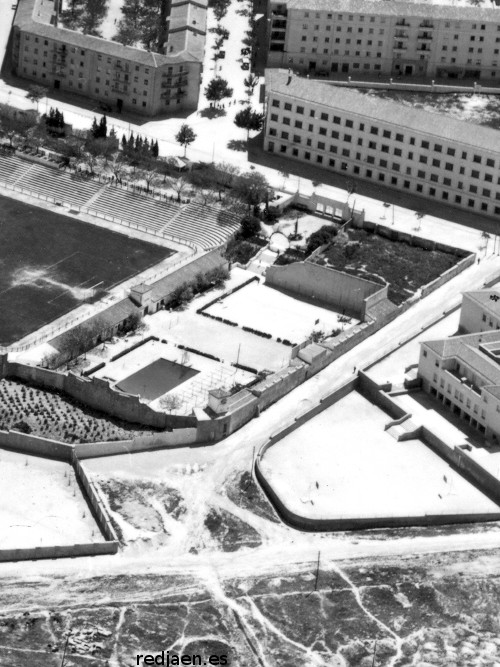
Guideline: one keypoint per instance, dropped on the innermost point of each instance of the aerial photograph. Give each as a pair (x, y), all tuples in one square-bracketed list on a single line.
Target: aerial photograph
[(250, 333)]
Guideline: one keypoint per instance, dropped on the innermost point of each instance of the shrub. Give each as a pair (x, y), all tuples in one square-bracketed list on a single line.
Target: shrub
[(240, 251), (324, 235), (22, 426), (290, 256)]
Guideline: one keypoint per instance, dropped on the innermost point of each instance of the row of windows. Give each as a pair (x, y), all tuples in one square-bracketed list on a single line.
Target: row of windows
[(402, 21), (420, 188), (374, 130), (395, 166), (61, 48)]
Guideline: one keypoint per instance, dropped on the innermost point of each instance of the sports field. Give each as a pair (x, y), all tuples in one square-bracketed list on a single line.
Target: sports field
[(51, 263)]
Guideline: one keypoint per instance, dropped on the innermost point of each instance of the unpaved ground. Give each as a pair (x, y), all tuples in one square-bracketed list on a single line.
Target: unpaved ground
[(437, 610)]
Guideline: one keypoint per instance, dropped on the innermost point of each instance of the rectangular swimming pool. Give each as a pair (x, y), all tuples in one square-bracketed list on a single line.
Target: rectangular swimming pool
[(156, 379)]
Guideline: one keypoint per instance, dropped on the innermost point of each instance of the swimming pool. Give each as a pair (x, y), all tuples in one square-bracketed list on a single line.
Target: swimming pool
[(156, 379)]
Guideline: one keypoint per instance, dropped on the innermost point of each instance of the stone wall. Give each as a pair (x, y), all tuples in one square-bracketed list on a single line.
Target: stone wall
[(69, 551), (97, 393), (33, 444)]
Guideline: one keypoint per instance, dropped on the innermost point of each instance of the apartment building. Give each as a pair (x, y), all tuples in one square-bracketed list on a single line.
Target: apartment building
[(399, 146), (327, 37), (123, 77)]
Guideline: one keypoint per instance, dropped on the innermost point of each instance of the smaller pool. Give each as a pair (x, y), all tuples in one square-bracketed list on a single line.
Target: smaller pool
[(156, 379)]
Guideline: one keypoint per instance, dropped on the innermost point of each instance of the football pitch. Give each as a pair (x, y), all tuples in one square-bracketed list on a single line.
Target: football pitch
[(50, 264)]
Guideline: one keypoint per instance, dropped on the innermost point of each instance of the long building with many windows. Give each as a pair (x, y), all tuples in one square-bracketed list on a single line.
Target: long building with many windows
[(123, 77), (328, 37), (426, 154)]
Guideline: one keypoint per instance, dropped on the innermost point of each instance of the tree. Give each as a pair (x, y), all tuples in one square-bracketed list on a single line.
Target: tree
[(117, 166), (250, 226), (170, 402), (226, 174), (147, 173), (17, 125), (179, 185), (155, 149), (35, 94), (250, 83), (252, 188), (134, 322), (248, 119), (54, 122), (185, 136), (204, 180), (217, 90), (36, 135)]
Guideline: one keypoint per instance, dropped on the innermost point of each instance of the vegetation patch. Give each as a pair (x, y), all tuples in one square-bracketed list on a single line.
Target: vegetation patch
[(230, 532), (405, 267), (50, 415)]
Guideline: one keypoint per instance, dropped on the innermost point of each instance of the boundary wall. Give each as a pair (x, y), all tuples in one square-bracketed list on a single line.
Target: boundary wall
[(457, 457), (21, 442), (325, 284)]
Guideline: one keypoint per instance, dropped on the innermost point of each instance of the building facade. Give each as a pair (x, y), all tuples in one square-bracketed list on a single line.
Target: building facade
[(463, 373), (480, 311), (331, 37), (394, 145), (123, 77)]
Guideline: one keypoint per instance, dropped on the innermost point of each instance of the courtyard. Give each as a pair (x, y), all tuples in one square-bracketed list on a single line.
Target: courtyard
[(350, 467), (52, 264), (158, 369), (42, 504), (270, 311)]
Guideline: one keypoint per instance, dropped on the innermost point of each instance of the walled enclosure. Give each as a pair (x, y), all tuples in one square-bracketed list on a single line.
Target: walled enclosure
[(377, 394), (56, 450), (337, 289)]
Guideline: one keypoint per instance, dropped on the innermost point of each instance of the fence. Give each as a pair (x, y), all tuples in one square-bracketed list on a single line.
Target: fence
[(95, 213)]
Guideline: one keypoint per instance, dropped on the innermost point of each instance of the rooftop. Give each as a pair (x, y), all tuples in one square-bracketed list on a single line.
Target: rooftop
[(417, 120), (38, 17), (488, 299), (446, 9), (471, 350)]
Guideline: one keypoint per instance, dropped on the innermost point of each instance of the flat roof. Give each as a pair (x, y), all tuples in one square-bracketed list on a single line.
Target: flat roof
[(351, 101), (37, 17), (484, 298), (451, 9)]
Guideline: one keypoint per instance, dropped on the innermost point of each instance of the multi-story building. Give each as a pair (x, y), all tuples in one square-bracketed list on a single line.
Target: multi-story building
[(463, 373), (426, 154), (327, 37), (480, 311), (122, 77)]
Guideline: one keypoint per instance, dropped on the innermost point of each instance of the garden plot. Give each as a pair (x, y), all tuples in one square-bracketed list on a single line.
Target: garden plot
[(231, 344), (41, 504), (270, 311), (342, 464), (137, 372)]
